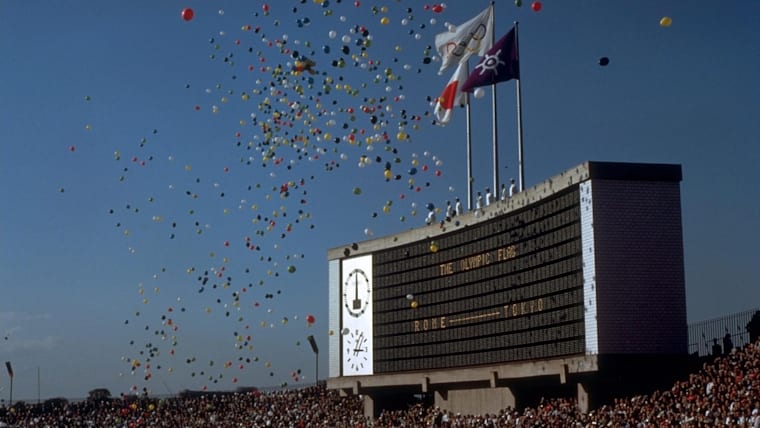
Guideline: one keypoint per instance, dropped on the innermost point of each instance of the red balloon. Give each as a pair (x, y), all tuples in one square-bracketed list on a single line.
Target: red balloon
[(310, 319), (536, 6), (437, 8), (187, 14)]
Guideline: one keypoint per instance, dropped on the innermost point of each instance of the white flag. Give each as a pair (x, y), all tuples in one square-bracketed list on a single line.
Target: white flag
[(474, 36), (451, 96)]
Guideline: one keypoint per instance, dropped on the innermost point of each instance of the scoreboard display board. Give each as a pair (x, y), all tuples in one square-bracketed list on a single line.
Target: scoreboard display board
[(506, 289), (573, 266)]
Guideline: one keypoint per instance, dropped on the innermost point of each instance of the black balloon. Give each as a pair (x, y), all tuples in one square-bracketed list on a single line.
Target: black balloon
[(604, 61)]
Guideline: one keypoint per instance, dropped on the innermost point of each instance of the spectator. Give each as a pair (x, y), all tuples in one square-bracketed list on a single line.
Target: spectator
[(728, 344)]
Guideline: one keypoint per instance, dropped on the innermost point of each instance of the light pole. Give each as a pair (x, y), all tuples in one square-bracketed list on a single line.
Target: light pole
[(10, 375), (314, 348)]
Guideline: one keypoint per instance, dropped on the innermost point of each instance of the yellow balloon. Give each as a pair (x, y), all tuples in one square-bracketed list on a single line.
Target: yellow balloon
[(384, 20), (414, 304), (388, 174), (666, 21)]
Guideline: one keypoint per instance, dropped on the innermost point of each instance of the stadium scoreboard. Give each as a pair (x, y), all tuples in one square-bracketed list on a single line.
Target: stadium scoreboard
[(516, 281)]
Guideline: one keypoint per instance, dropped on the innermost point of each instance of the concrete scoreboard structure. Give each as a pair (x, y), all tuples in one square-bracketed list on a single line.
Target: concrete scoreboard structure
[(574, 287)]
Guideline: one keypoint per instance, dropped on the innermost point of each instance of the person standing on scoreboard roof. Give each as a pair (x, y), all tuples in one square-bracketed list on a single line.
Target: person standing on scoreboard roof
[(479, 202), (512, 187), (430, 217), (458, 207), (503, 192), (489, 196), (449, 211)]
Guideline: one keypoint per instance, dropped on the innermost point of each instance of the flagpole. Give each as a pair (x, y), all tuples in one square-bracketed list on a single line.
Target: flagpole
[(494, 128), (520, 155), (469, 145)]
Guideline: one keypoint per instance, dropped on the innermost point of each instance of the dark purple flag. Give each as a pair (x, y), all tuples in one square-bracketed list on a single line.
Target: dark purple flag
[(499, 64)]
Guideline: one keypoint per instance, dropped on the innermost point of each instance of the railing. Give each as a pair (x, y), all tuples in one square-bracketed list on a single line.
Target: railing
[(707, 336)]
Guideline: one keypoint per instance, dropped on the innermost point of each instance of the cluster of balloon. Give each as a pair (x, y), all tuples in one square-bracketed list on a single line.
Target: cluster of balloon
[(299, 115)]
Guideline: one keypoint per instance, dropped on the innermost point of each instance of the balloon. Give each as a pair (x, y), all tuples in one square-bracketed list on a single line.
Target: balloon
[(518, 3), (414, 304), (437, 8), (384, 20), (603, 61), (433, 247), (310, 319), (536, 6), (357, 191), (409, 297), (666, 21), (478, 93), (187, 14)]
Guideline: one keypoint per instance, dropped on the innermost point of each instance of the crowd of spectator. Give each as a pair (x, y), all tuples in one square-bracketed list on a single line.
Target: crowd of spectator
[(725, 392)]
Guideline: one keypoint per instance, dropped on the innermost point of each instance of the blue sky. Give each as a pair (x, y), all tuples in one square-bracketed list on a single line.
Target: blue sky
[(133, 169)]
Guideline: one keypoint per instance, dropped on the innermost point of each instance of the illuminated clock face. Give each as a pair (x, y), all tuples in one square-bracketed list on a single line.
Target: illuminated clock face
[(356, 293), (357, 351)]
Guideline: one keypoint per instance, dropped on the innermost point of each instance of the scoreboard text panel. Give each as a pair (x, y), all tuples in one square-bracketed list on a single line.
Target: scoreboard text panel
[(507, 289)]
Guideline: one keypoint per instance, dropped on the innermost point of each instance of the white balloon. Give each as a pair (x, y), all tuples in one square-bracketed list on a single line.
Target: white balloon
[(479, 92)]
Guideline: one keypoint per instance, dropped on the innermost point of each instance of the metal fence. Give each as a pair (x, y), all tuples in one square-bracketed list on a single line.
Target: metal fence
[(713, 336)]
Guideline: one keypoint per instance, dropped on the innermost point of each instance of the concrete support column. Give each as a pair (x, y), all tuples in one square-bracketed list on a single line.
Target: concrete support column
[(584, 401), (369, 406)]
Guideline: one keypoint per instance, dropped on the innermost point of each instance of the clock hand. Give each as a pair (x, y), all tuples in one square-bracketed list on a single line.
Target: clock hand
[(357, 300), (359, 341)]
